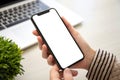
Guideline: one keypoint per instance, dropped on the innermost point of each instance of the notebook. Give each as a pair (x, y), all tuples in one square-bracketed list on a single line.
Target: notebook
[(15, 19)]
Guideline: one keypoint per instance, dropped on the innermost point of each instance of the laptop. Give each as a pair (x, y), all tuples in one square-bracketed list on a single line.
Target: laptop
[(15, 19)]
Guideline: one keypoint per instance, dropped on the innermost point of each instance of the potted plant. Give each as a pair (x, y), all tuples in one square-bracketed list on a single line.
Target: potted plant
[(10, 57)]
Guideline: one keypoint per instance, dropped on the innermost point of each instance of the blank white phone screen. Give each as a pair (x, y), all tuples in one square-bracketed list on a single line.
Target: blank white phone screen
[(58, 38)]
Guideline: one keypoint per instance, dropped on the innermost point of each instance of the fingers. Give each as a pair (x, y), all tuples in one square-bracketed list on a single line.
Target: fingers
[(35, 33), (54, 73), (40, 42), (47, 55), (51, 60), (44, 51), (68, 25), (74, 72), (67, 74), (71, 29)]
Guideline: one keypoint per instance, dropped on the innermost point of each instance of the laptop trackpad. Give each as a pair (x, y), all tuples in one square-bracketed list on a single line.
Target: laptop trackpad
[(23, 32)]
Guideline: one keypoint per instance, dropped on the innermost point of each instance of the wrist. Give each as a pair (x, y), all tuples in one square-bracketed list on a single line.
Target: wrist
[(85, 63), (89, 56)]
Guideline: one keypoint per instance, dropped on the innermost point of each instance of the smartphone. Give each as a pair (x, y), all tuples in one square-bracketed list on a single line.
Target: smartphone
[(57, 37)]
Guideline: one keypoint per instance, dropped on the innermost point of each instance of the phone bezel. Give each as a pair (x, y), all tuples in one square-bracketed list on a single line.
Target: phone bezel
[(46, 11)]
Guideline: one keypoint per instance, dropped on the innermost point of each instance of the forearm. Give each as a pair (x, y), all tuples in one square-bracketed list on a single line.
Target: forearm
[(101, 66)]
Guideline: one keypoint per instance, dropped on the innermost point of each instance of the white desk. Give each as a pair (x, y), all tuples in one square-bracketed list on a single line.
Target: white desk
[(100, 28)]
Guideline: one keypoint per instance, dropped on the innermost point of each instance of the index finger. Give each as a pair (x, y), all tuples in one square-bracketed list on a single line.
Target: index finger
[(69, 26), (35, 33), (54, 73)]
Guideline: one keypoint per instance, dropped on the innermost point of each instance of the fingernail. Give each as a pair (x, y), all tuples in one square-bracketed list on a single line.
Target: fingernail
[(74, 72), (67, 70)]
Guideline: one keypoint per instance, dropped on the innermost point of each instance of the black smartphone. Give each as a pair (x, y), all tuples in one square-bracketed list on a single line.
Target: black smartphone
[(57, 37)]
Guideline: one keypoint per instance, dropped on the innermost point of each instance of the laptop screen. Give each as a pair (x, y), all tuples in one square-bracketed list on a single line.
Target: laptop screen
[(7, 2)]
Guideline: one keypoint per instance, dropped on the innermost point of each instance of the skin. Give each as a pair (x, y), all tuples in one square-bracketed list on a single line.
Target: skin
[(88, 52), (56, 75)]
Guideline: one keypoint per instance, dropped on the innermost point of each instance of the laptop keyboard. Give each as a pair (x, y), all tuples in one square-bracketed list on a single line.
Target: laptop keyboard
[(20, 13)]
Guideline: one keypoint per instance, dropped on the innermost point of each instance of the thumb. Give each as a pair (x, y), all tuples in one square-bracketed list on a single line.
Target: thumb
[(67, 74)]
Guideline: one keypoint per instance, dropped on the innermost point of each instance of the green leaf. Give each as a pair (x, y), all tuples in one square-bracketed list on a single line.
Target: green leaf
[(10, 58)]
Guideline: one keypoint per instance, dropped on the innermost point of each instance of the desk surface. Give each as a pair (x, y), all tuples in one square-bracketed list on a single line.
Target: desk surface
[(100, 28)]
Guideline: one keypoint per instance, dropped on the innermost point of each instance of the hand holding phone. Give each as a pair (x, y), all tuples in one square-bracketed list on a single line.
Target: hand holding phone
[(57, 37)]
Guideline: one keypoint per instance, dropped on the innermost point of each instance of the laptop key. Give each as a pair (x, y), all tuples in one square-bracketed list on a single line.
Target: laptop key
[(0, 13), (20, 13), (5, 12), (15, 22), (5, 23), (10, 10), (1, 28), (10, 21)]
